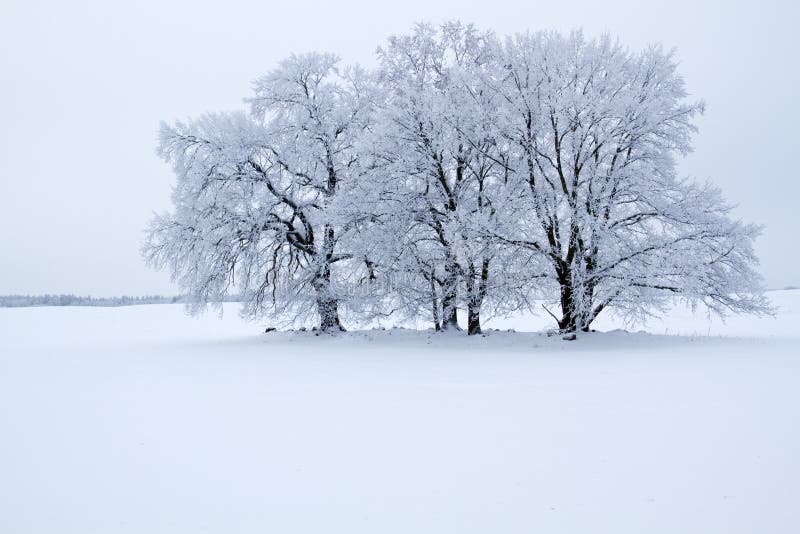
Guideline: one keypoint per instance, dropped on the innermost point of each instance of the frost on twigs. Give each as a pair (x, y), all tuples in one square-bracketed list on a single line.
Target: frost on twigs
[(465, 172)]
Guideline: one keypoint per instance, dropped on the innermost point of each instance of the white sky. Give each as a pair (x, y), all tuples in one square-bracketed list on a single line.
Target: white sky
[(83, 86)]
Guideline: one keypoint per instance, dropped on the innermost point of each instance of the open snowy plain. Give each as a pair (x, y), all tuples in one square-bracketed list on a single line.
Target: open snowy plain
[(143, 420)]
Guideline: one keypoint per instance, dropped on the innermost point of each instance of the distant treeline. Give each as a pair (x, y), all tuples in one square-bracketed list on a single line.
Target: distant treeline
[(23, 301), (20, 301)]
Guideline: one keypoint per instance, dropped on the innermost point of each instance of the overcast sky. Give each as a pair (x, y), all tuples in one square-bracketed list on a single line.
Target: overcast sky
[(85, 84)]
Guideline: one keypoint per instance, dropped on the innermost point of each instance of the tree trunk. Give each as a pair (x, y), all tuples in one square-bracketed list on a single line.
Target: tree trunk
[(477, 292), (575, 317), (450, 314), (435, 304), (328, 310), (327, 305), (567, 322), (473, 319), (450, 297)]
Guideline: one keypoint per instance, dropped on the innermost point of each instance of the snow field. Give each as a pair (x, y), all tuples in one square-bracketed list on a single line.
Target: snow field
[(141, 419)]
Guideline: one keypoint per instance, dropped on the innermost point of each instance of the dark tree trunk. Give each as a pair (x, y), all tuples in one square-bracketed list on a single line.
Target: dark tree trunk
[(477, 292), (435, 304), (567, 323), (450, 297), (575, 317), (328, 314), (450, 315), (327, 304), (473, 319)]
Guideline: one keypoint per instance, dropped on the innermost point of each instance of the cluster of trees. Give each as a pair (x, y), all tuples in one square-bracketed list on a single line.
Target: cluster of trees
[(24, 301), (464, 172)]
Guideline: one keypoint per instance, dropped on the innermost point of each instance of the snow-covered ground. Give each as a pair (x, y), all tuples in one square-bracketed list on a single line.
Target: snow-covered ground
[(142, 420)]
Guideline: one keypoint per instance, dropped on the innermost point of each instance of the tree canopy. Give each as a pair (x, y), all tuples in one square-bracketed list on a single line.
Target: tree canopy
[(466, 171)]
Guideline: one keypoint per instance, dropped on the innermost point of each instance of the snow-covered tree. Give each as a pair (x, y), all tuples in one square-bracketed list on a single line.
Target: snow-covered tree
[(594, 131), (436, 158), (464, 172), (256, 195)]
